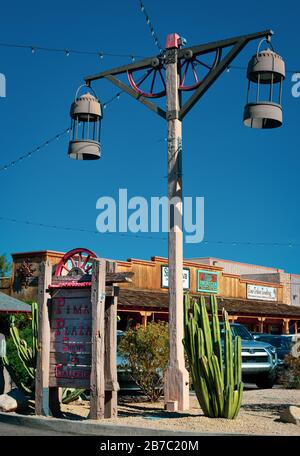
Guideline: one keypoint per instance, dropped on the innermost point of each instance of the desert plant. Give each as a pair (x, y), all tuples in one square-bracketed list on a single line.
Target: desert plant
[(290, 377), (71, 394), (27, 352), (25, 344), (146, 352), (217, 376)]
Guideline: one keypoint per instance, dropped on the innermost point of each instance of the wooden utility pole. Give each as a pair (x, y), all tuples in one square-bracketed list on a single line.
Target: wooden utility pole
[(151, 70), (176, 376)]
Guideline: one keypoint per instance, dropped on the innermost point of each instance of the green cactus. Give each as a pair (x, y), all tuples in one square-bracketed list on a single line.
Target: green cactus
[(28, 357), (217, 376)]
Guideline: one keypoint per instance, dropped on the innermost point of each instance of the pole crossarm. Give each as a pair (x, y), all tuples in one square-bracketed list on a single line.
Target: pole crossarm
[(136, 95), (142, 64), (238, 43), (208, 47)]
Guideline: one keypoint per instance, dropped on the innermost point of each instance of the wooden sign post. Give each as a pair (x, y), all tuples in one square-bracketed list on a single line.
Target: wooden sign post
[(77, 339)]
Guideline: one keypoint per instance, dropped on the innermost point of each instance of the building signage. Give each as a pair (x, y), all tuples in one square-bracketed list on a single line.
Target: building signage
[(207, 281), (165, 277), (70, 339), (261, 292)]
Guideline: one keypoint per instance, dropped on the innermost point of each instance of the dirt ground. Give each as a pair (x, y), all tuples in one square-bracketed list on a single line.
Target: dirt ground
[(259, 414)]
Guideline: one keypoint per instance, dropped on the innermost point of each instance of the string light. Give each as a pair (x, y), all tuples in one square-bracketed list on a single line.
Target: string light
[(150, 25), (101, 54), (67, 52), (146, 236), (48, 141)]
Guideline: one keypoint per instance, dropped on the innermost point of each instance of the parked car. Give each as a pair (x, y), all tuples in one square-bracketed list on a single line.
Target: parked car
[(282, 343), (259, 359)]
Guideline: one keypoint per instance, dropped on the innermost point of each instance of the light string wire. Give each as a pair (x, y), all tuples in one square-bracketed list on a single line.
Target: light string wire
[(50, 140), (150, 25), (146, 236), (68, 51)]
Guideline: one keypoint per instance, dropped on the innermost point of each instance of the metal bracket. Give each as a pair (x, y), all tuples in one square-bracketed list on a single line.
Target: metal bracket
[(170, 56), (171, 115)]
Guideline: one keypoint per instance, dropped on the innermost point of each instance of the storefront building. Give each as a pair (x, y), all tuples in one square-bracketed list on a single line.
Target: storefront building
[(259, 297)]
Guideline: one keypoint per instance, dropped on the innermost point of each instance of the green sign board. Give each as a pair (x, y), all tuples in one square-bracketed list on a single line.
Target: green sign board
[(207, 281)]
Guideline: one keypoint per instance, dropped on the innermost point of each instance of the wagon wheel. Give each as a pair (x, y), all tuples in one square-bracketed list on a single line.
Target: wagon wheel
[(75, 262), (150, 83), (195, 68)]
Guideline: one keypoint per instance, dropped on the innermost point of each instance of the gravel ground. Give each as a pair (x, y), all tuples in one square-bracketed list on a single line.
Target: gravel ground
[(259, 414)]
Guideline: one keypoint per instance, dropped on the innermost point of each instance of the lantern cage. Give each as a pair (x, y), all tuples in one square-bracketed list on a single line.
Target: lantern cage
[(265, 73), (86, 115)]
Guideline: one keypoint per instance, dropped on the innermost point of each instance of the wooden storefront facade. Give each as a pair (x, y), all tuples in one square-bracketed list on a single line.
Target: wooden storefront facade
[(258, 304)]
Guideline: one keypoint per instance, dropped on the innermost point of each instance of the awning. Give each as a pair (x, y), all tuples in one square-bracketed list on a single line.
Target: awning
[(157, 300), (11, 305)]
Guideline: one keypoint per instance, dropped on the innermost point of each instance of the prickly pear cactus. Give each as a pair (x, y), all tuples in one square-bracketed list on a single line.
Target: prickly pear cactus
[(216, 371)]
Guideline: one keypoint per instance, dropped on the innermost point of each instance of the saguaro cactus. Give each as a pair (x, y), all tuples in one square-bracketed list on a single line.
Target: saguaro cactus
[(215, 364)]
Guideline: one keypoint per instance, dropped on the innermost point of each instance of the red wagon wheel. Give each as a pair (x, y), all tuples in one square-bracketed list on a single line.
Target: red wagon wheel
[(76, 261), (150, 83), (195, 68)]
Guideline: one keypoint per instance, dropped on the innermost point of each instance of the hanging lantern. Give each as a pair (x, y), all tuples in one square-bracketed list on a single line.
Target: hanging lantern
[(86, 115), (266, 72)]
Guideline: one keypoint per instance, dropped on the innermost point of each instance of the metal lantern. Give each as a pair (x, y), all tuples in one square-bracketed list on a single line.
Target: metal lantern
[(86, 115), (265, 73)]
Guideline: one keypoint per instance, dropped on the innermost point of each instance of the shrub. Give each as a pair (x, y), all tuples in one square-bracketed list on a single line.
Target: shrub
[(146, 351), (290, 378)]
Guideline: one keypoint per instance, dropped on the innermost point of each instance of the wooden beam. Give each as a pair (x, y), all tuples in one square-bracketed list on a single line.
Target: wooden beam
[(43, 354), (110, 354), (113, 277), (176, 384), (97, 372)]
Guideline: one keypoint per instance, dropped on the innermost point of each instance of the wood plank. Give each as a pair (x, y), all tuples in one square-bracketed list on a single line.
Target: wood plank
[(80, 292), (66, 307), (110, 357), (113, 277), (81, 359), (69, 376), (69, 338), (119, 277), (71, 347), (43, 355), (97, 386)]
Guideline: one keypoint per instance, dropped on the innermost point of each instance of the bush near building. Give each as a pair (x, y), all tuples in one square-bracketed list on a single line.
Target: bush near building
[(146, 354), (290, 378)]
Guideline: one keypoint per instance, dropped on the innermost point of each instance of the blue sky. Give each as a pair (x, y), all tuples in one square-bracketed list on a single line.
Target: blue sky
[(249, 178)]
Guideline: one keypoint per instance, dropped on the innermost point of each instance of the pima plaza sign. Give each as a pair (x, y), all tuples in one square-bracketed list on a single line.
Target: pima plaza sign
[(262, 293), (165, 277)]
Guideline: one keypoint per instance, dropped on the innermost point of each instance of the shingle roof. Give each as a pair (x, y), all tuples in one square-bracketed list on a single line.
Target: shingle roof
[(133, 298), (9, 304)]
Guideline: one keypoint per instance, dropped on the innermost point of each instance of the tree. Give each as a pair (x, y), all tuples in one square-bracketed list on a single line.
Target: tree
[(5, 266)]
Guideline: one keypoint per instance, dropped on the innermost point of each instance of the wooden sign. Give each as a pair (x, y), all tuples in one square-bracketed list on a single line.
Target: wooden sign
[(77, 337), (70, 338)]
